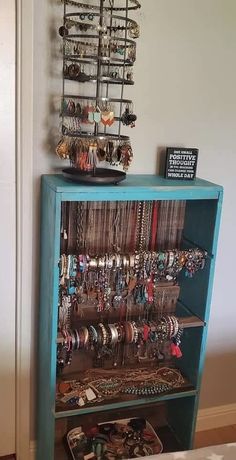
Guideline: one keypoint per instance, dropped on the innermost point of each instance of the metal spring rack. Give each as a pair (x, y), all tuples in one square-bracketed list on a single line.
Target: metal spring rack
[(99, 52)]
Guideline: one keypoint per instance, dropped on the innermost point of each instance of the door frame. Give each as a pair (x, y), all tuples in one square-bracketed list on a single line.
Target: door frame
[(24, 195)]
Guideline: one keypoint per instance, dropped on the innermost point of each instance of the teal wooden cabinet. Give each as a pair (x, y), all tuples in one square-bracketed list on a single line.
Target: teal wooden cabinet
[(177, 409)]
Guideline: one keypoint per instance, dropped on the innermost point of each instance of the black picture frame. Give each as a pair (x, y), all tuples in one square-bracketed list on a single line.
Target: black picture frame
[(181, 163)]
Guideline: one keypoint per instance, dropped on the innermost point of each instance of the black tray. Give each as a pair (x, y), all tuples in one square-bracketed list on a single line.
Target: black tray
[(101, 176)]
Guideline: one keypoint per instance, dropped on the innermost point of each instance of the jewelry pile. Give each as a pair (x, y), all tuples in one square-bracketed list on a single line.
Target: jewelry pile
[(96, 386), (121, 439)]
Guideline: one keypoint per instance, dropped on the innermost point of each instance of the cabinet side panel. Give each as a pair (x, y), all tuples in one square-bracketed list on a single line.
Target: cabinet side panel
[(182, 418), (201, 229), (50, 252)]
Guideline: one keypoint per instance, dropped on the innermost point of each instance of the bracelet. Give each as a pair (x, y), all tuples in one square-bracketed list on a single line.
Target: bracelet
[(93, 334), (104, 334), (114, 334), (81, 337), (136, 333), (129, 332)]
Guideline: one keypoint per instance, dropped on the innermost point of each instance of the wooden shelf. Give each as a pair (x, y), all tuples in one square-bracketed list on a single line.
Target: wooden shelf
[(186, 317), (125, 402)]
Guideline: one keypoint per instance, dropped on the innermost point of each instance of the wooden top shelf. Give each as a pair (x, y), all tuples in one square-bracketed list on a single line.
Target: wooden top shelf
[(136, 187)]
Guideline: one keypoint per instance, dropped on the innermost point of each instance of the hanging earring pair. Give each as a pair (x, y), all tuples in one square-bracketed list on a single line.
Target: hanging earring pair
[(94, 115), (128, 118), (63, 149), (107, 117), (90, 16)]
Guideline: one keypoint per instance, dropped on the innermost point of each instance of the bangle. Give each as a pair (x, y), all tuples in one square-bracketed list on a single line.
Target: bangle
[(77, 339), (86, 336), (131, 261), (93, 263), (73, 341), (114, 334), (129, 332), (81, 337), (109, 262), (118, 260), (101, 262), (135, 329), (93, 334), (104, 334), (121, 332)]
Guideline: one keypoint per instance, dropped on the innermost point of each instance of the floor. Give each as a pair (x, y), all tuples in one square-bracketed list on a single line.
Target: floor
[(215, 437), (8, 457)]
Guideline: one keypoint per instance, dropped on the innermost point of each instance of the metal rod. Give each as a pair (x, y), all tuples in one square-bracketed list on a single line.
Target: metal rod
[(186, 322), (67, 115), (108, 69), (105, 80), (101, 136), (117, 61), (95, 36), (99, 62), (196, 245), (87, 60), (114, 16), (123, 73), (102, 99), (95, 7), (63, 60)]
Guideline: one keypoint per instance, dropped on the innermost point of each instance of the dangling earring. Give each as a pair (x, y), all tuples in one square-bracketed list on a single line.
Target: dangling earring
[(97, 115)]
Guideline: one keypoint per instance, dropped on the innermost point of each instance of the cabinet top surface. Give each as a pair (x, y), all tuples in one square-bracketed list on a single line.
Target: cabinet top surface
[(134, 183)]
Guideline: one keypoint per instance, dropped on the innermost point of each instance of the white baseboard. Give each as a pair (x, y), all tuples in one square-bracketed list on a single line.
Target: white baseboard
[(208, 419), (216, 417)]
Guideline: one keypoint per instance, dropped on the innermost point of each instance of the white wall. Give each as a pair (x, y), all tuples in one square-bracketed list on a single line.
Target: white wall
[(7, 228), (184, 95)]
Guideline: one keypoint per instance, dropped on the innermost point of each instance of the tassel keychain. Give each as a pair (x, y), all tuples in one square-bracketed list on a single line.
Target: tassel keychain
[(175, 345)]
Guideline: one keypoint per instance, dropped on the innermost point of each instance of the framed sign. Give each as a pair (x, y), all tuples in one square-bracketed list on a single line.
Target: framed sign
[(181, 163)]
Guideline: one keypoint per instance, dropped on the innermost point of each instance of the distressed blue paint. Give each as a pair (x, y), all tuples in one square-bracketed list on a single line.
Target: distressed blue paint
[(204, 202), (135, 187), (50, 251), (202, 227), (181, 417)]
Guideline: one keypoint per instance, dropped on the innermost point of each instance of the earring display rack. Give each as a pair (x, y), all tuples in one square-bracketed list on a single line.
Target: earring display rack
[(99, 53)]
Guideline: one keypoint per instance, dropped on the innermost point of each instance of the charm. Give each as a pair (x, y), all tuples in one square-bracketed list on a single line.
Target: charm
[(63, 31), (117, 301), (74, 70), (70, 108), (62, 150), (97, 115), (91, 115), (128, 118), (175, 351), (146, 331), (105, 117), (111, 119)]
